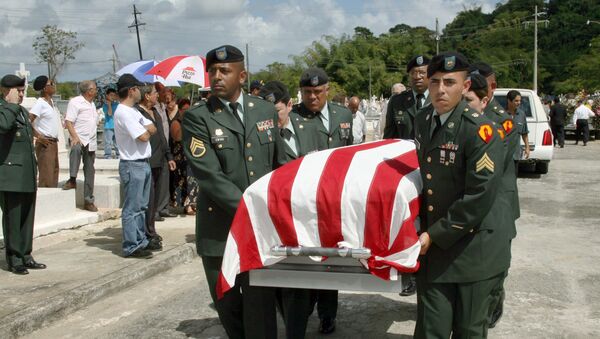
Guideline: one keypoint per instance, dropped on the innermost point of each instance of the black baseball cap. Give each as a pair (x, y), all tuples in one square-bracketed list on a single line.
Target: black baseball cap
[(127, 81)]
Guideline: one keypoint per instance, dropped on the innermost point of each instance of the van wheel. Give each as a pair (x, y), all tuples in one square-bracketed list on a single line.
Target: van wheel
[(542, 167)]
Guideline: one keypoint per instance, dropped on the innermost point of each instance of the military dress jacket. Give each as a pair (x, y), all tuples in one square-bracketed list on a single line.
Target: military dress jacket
[(400, 116), (461, 168), (340, 125), (506, 128), (226, 157), (307, 136), (18, 166)]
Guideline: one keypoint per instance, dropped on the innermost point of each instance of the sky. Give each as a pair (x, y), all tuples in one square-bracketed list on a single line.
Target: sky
[(273, 30)]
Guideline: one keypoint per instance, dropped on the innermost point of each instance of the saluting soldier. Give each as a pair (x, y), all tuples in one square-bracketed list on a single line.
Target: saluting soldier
[(505, 124), (231, 141), (18, 170), (464, 239), (403, 108), (334, 128)]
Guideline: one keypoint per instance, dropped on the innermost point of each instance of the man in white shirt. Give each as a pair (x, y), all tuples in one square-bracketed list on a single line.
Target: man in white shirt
[(580, 119), (359, 123), (45, 119), (132, 132), (81, 121)]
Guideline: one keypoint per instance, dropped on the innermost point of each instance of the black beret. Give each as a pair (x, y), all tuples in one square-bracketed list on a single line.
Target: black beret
[(313, 77), (483, 68), (447, 62), (274, 91), (223, 54), (478, 82), (40, 82), (256, 84), (127, 81), (12, 81), (417, 61)]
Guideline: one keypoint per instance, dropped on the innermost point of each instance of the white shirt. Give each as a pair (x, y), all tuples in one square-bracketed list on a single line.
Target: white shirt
[(582, 112), (325, 117), (129, 125), (162, 111), (84, 117), (423, 99), (240, 107), (292, 142), (47, 121), (359, 127)]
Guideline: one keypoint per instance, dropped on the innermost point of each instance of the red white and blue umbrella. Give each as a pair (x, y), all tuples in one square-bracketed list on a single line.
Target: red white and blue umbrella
[(184, 68), (139, 68)]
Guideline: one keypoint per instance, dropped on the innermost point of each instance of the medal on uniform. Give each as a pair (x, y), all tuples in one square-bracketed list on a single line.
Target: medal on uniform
[(269, 135), (442, 156), (218, 131), (452, 157)]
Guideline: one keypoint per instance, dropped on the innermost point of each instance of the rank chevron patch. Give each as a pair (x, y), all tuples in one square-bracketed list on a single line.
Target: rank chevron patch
[(483, 163), (197, 148)]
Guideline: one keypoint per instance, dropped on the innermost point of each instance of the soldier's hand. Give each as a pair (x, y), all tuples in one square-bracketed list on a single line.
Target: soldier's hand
[(425, 241), (172, 165)]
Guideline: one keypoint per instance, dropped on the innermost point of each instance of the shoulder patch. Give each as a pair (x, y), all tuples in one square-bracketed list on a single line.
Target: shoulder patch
[(508, 125), (486, 132), (501, 132), (197, 148)]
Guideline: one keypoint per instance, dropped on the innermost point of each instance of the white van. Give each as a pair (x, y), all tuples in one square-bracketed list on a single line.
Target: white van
[(541, 143)]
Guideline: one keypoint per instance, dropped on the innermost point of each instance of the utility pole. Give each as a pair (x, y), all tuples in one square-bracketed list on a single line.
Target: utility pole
[(247, 69), (535, 52), (137, 24), (437, 36)]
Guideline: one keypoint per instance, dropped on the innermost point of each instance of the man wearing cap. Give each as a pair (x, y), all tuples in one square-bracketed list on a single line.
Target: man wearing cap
[(46, 126), (335, 130), (81, 121), (18, 170), (464, 241), (505, 125), (255, 87), (401, 112), (133, 132), (230, 142)]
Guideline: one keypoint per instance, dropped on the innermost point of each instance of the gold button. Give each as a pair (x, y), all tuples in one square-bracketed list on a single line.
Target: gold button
[(220, 146), (251, 173), (210, 209), (250, 158), (428, 159), (430, 208), (446, 163), (330, 139), (248, 145), (428, 176), (429, 192)]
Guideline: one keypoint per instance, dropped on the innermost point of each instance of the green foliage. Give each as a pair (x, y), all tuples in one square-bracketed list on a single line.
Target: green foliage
[(67, 90), (55, 47)]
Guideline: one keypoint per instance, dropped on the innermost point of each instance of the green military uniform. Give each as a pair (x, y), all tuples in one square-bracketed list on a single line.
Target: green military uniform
[(306, 136), (461, 167), (400, 117), (226, 157), (18, 170), (340, 125)]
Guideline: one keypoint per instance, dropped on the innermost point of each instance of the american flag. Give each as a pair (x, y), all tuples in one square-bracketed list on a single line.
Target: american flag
[(364, 195)]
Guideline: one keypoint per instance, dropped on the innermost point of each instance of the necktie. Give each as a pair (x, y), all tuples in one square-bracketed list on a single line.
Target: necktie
[(286, 134), (234, 110), (438, 125), (420, 97)]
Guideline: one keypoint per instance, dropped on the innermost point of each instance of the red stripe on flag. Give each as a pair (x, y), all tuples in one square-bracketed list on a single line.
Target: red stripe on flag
[(329, 191), (381, 201), (222, 285), (243, 234), (279, 200), (407, 235)]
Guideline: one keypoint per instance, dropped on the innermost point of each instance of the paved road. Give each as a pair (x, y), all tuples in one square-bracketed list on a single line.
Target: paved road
[(553, 290)]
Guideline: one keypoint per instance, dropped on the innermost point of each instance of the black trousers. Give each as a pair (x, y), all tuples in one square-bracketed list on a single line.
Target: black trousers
[(582, 127), (244, 311), (18, 212), (558, 131), (153, 202)]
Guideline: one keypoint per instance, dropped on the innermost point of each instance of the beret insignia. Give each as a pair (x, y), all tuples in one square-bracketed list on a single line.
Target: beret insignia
[(314, 81), (420, 60), (449, 63), (221, 53)]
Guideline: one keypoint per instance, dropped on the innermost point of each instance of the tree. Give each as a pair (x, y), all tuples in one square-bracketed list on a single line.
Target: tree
[(55, 47)]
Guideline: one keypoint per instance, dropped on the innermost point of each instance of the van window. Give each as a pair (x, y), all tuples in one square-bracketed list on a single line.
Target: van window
[(525, 103)]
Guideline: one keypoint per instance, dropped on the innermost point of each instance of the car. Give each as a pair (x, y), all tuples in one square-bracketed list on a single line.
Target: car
[(541, 143)]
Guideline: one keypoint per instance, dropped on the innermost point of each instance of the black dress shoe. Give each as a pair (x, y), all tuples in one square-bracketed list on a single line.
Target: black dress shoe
[(327, 325), (154, 245), (167, 214), (496, 316), (410, 289), (141, 254), (19, 269), (34, 265)]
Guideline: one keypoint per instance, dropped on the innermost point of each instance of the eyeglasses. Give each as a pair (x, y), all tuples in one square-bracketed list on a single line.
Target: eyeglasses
[(50, 83)]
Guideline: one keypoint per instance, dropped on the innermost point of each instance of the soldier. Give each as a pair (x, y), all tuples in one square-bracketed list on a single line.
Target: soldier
[(231, 141), (464, 238), (334, 130), (18, 170), (506, 126), (402, 108)]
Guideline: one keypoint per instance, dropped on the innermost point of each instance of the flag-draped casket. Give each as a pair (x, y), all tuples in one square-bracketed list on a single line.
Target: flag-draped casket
[(361, 196)]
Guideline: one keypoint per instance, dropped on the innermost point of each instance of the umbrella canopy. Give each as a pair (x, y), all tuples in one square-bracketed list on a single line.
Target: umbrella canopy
[(185, 68), (139, 68)]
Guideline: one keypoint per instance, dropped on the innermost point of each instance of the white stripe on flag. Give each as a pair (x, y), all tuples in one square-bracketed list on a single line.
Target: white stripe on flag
[(231, 261), (304, 198), (408, 189)]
